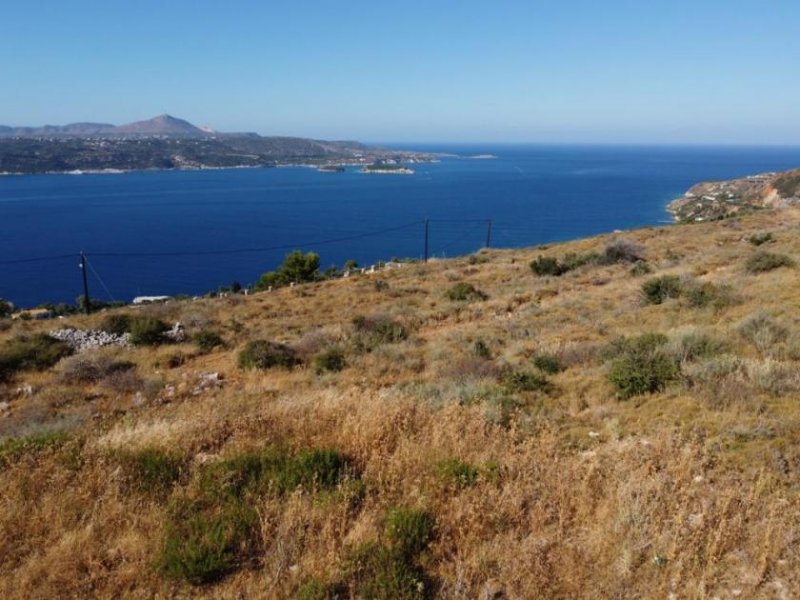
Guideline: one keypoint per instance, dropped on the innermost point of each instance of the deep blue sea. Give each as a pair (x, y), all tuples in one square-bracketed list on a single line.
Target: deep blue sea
[(151, 233)]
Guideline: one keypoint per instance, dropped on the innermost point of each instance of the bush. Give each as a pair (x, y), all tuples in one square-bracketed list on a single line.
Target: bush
[(391, 569), (206, 340), (757, 239), (13, 448), (274, 469), (465, 292), (457, 472), (692, 344), (147, 331), (35, 352), (761, 262), (622, 251), (546, 265), (519, 381), (151, 470), (377, 329), (263, 354), (481, 350), (202, 542), (124, 382), (700, 295), (573, 260), (659, 289), (640, 268), (547, 363), (118, 324), (332, 360), (91, 367), (643, 366), (762, 331), (408, 531)]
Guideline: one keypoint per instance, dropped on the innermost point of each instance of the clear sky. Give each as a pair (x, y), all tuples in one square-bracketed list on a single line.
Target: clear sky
[(696, 71)]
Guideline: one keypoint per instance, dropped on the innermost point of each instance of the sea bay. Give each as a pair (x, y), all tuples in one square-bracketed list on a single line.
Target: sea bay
[(188, 232)]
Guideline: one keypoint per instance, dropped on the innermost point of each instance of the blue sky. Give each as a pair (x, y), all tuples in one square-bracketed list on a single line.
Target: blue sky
[(693, 71)]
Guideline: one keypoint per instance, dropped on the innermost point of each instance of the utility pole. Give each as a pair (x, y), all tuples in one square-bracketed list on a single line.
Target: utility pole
[(427, 221), (86, 301), (489, 233)]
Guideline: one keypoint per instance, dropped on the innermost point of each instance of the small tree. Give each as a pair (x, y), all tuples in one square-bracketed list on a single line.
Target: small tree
[(296, 268), (6, 308)]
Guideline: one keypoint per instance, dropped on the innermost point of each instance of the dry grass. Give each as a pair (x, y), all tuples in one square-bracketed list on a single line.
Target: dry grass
[(687, 493)]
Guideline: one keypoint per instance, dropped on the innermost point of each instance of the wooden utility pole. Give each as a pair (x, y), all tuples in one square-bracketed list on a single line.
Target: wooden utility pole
[(489, 233)]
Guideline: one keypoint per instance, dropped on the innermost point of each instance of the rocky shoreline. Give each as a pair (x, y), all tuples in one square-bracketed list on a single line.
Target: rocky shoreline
[(714, 200)]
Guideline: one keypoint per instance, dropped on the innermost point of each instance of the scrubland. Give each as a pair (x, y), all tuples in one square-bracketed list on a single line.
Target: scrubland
[(620, 420)]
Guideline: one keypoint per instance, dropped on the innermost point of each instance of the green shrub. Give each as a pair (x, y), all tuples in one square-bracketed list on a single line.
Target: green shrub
[(263, 354), (151, 470), (465, 292), (457, 472), (313, 589), (382, 574), (700, 295), (273, 469), (643, 366), (622, 251), (640, 268), (311, 469), (203, 542), (374, 330), (762, 237), (761, 262), (332, 360), (574, 260), (547, 363), (546, 265), (12, 449), (659, 289), (147, 331), (118, 324), (34, 352), (481, 350), (206, 340), (520, 381), (408, 531)]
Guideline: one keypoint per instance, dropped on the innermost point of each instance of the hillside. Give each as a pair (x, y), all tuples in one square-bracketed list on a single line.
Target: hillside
[(620, 420), (712, 200)]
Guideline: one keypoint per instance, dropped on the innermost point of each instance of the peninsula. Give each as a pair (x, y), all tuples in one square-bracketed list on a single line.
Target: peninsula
[(166, 142)]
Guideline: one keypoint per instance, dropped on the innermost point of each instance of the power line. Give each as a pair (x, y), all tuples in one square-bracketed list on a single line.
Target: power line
[(100, 279), (263, 249), (37, 259)]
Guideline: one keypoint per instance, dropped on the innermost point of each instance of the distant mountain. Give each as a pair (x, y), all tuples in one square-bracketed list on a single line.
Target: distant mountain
[(73, 129), (161, 125)]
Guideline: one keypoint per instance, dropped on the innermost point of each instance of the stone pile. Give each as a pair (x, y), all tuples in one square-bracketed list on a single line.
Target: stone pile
[(176, 334), (81, 340)]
